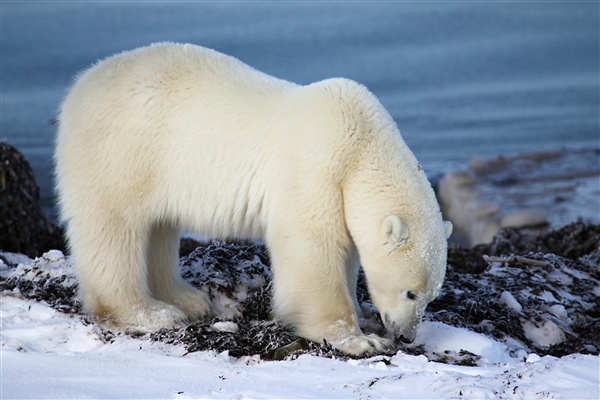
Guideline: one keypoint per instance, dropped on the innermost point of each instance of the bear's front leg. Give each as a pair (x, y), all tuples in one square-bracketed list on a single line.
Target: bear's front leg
[(311, 293)]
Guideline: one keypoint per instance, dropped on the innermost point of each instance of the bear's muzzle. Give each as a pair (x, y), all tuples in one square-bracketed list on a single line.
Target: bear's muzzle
[(405, 333)]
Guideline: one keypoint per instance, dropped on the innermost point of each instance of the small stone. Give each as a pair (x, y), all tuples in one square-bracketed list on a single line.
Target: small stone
[(559, 311)]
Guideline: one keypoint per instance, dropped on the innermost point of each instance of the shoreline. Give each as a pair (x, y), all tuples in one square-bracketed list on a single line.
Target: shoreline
[(537, 191)]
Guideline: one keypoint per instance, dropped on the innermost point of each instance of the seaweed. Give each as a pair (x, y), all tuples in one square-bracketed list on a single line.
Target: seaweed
[(559, 267)]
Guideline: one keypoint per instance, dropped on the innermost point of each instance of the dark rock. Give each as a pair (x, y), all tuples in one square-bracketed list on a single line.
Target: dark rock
[(23, 226)]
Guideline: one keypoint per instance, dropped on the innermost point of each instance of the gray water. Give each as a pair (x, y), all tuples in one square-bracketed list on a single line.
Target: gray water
[(462, 79)]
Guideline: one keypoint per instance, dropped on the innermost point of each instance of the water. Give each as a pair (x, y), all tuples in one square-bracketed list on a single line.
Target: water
[(462, 79)]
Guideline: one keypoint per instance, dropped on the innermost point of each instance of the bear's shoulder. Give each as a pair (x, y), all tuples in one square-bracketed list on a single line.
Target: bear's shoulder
[(357, 106)]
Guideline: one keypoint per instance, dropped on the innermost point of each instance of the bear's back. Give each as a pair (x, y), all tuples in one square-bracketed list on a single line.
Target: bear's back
[(163, 71)]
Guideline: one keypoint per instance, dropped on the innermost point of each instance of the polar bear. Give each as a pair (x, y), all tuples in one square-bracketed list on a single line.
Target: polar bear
[(174, 137)]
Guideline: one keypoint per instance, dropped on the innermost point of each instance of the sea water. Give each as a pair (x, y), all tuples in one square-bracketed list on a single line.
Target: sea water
[(461, 79)]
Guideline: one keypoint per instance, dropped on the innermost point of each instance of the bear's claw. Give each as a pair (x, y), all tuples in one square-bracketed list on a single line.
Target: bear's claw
[(193, 302), (365, 345), (151, 317)]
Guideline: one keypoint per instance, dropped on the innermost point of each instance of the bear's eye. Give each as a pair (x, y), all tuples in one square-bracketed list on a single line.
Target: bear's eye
[(411, 295)]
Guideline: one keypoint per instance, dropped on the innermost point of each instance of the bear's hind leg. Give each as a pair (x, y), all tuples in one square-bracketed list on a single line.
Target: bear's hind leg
[(109, 260), (165, 281)]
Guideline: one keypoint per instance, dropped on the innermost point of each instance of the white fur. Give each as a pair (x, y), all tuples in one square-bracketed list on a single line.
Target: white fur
[(172, 137)]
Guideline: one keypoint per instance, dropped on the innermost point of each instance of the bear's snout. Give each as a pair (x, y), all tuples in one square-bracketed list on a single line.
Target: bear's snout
[(400, 332), (406, 340)]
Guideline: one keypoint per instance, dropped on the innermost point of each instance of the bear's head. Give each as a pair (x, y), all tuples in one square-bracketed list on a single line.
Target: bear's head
[(405, 267)]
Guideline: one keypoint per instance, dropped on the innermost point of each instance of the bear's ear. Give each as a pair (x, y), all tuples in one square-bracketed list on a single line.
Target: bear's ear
[(395, 230), (448, 227)]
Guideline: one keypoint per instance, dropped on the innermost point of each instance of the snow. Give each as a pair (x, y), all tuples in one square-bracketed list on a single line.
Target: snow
[(544, 334), (508, 299), (558, 310), (49, 354), (68, 360), (226, 326), (439, 338)]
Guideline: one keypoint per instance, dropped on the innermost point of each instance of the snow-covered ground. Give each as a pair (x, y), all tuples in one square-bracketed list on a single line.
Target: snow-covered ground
[(49, 354)]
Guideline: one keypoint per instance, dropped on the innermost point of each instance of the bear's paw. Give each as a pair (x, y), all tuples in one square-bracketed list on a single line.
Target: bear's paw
[(361, 345), (193, 302), (151, 317)]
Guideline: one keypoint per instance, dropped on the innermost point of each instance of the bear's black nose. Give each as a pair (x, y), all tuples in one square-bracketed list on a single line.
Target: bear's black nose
[(403, 339), (394, 331)]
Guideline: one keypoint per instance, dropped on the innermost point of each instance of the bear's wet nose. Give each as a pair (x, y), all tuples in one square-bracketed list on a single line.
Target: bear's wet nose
[(399, 334), (406, 340)]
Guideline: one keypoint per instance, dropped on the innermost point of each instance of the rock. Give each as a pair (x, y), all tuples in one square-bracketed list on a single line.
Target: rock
[(23, 226)]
